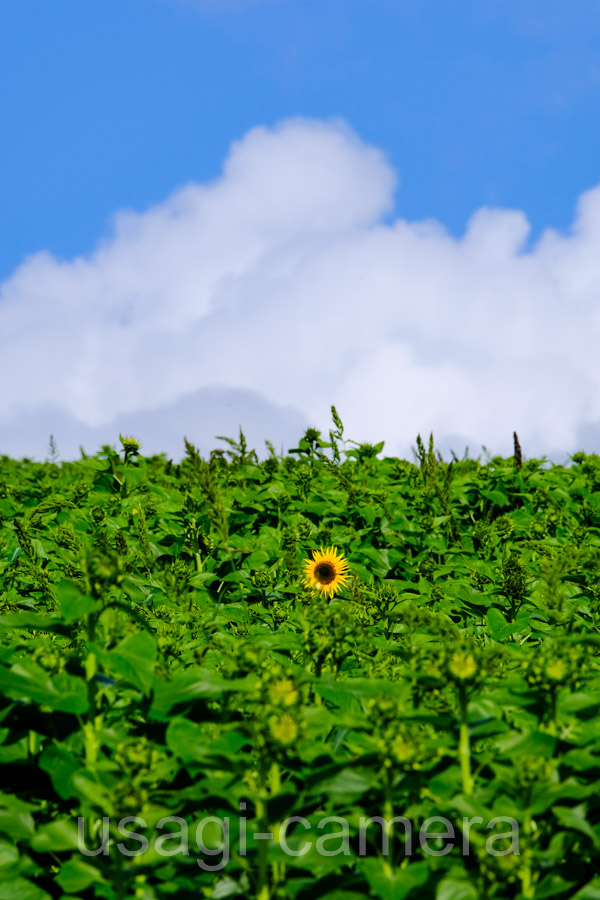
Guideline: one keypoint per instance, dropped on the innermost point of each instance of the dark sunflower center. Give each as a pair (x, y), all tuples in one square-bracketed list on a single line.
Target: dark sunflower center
[(325, 573)]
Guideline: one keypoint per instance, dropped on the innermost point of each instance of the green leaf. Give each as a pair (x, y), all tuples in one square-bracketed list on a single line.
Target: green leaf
[(500, 629), (574, 817), (342, 895), (452, 888), (77, 875), (194, 684), (133, 659), (39, 548), (590, 891), (21, 889), (227, 887), (188, 741), (552, 886), (393, 884), (88, 787), (16, 825), (496, 496), (55, 837), (30, 621), (9, 860), (348, 785), (60, 766), (74, 605), (26, 681), (15, 751), (531, 743), (15, 817), (376, 561)]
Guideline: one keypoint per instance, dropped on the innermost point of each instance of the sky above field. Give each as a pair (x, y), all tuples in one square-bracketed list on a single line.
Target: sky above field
[(239, 212)]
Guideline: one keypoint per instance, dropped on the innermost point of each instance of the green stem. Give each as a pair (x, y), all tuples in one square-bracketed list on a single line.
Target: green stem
[(275, 779), (464, 750), (91, 725), (262, 818), (277, 868), (91, 666), (553, 725), (527, 886), (262, 886), (388, 815)]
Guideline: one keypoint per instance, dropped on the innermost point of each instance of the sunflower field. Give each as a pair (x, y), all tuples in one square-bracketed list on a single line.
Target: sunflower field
[(328, 674)]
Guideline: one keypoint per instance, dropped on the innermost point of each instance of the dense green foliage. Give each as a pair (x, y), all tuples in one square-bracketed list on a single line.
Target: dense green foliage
[(160, 656)]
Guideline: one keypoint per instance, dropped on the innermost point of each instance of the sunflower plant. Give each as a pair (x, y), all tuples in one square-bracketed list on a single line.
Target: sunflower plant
[(157, 660), (327, 571)]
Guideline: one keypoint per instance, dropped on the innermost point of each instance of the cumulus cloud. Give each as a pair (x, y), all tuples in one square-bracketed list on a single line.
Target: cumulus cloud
[(283, 280)]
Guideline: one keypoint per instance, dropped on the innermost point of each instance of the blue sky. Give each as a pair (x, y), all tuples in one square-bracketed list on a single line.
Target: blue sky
[(114, 105)]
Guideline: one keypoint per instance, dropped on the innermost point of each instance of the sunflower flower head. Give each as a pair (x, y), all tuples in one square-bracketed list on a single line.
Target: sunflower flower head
[(556, 670), (284, 729), (462, 665), (283, 692), (327, 571), (403, 748)]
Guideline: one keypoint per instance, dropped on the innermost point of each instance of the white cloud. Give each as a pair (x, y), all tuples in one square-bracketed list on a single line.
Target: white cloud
[(281, 280)]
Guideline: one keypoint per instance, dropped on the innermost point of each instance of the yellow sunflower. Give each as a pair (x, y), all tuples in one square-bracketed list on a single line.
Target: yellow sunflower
[(327, 571)]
